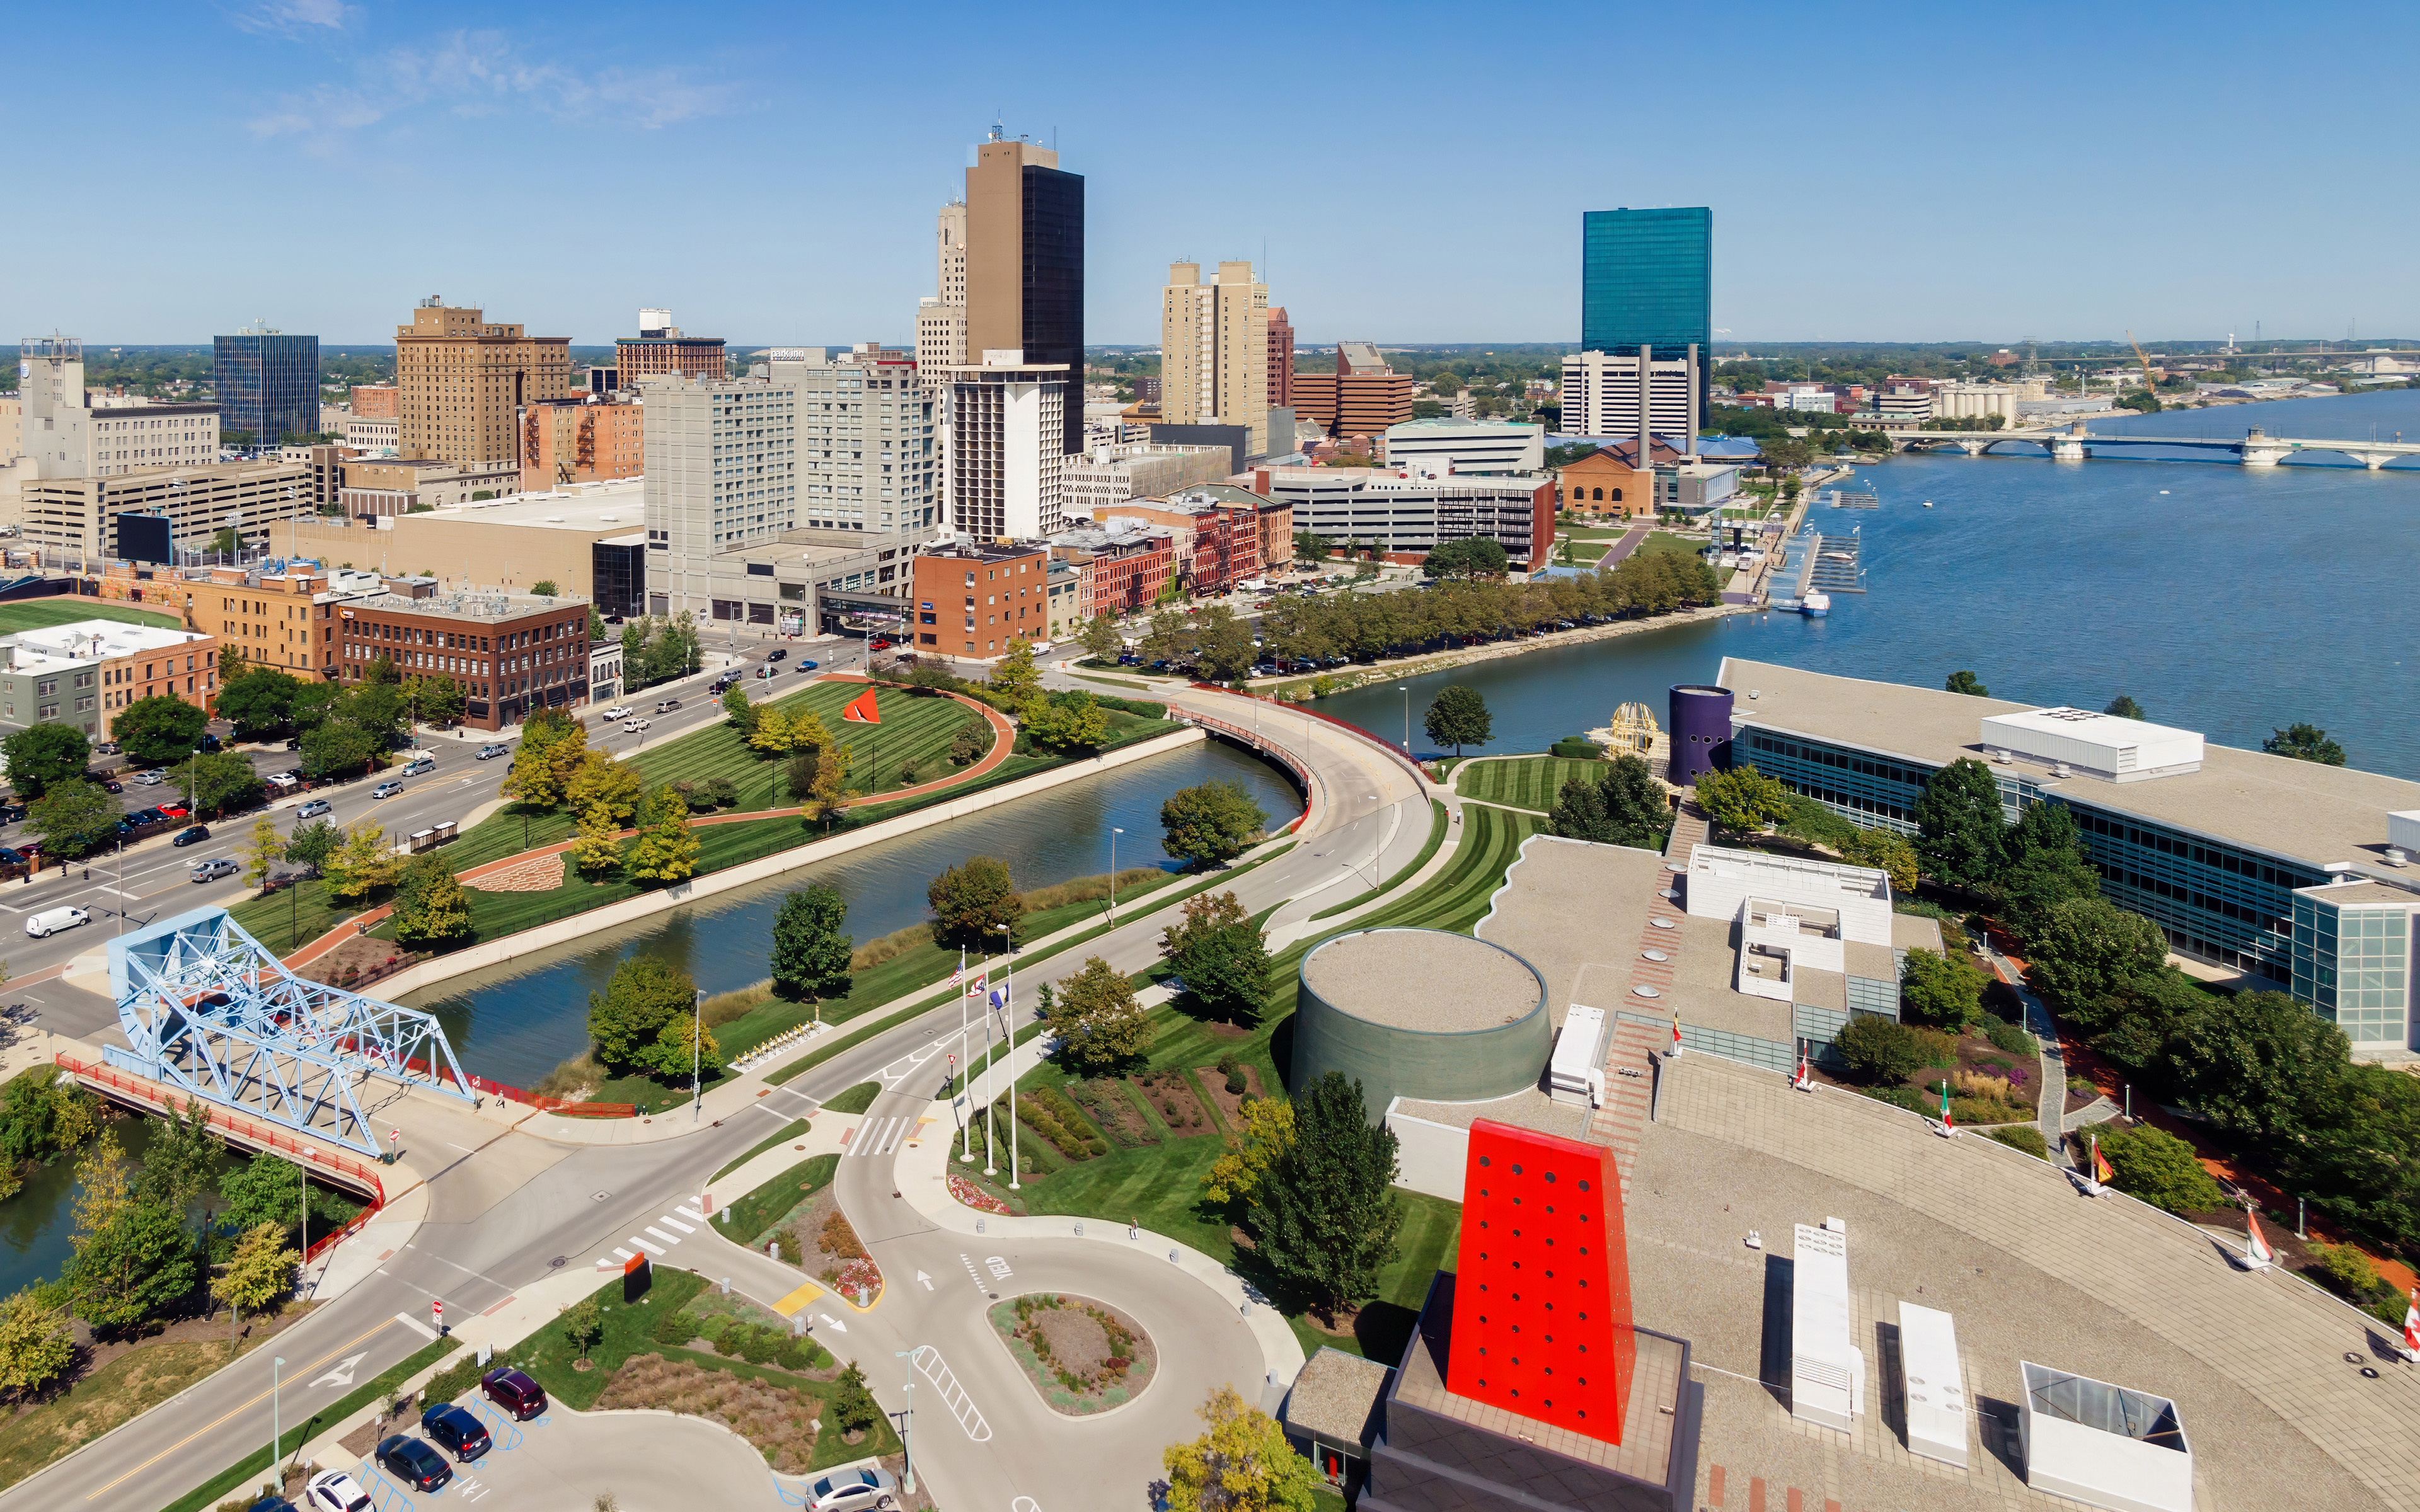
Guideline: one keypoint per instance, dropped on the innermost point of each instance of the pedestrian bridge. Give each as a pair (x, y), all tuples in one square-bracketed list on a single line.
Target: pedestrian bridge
[(2075, 443)]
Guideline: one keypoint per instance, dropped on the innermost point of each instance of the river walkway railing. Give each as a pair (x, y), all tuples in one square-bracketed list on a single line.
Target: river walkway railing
[(1401, 756)]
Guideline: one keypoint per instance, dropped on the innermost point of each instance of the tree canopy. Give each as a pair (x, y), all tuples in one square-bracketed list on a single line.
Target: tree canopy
[(1623, 806), (644, 996), (1960, 826), (2305, 743), (159, 730), (974, 903), (811, 944), (41, 754), (1743, 799), (1458, 716), (1324, 1215), (1221, 955), (1475, 556), (1963, 680), (1209, 823)]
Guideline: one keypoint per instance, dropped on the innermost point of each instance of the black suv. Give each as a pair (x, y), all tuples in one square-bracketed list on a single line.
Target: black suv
[(413, 1463)]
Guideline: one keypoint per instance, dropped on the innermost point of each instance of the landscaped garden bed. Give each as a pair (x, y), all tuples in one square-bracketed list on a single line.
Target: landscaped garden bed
[(971, 1193), (1216, 1080), (1172, 1097), (1105, 1099), (1082, 1356)]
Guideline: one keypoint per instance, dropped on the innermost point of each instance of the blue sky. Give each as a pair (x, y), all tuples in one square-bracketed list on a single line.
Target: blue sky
[(1416, 172)]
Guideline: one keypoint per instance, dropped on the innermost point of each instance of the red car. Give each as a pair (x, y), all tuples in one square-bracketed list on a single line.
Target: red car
[(173, 810), (877, 645), (515, 1393)]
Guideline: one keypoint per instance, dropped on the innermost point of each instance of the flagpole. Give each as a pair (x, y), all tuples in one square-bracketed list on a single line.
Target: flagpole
[(991, 1157), (965, 1063), (1008, 998)]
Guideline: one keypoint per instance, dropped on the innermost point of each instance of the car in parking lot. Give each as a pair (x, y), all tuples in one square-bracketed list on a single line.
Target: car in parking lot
[(151, 778), (853, 1491), (107, 748), (281, 782), (632, 727), (110, 784), (877, 645), (387, 789), (454, 1428), (213, 869), (778, 654), (489, 751), (332, 1490), (314, 809), (13, 814), (193, 835), (620, 711), (173, 810), (515, 1392), (413, 1462), (50, 922), (273, 1504)]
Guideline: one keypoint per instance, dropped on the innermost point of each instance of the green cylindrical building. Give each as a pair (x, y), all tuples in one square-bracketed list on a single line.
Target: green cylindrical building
[(1420, 1013)]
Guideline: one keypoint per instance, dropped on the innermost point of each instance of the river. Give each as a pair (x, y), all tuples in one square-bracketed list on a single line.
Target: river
[(2226, 600), (517, 1022)]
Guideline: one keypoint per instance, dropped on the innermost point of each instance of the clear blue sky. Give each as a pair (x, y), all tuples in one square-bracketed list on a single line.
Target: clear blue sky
[(1417, 172)]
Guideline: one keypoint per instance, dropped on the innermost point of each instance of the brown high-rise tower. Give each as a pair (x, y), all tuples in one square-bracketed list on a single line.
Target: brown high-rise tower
[(1025, 262), (462, 381)]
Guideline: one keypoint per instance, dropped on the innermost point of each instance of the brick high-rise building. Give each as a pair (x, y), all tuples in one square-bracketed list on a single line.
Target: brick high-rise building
[(580, 441), (659, 347), (375, 401), (1214, 343), (972, 600), (1281, 364), (1363, 396), (1025, 266), (462, 382)]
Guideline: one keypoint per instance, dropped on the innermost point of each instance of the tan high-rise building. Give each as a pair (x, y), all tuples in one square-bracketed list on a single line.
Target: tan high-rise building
[(462, 382), (586, 439), (941, 319), (950, 248), (1213, 350)]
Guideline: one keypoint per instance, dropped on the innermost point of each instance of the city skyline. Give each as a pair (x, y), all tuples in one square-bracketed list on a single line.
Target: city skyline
[(1980, 183)]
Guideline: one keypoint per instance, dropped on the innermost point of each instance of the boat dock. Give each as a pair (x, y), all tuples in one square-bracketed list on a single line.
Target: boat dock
[(1812, 561), (1843, 499)]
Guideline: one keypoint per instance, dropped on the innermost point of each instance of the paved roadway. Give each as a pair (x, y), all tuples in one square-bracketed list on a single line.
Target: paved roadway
[(507, 1208)]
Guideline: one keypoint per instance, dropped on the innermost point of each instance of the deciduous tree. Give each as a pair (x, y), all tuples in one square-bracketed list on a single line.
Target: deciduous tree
[(74, 818), (974, 903), (159, 731), (1066, 721), (1475, 556), (221, 781), (1221, 955), (1621, 806), (1210, 824), (665, 849), (811, 944), (431, 906), (2156, 1167), (1243, 1464), (1016, 677), (742, 713), (2046, 866), (1941, 990), (1458, 716), (313, 843), (643, 995), (1102, 641), (1885, 851), (1268, 1129), (1098, 1022), (2088, 949), (1963, 680), (262, 851), (599, 781), (260, 1271), (1324, 1215), (1961, 832), (365, 863), (37, 1344), (2124, 707), (42, 754), (769, 733), (1743, 799), (131, 1268)]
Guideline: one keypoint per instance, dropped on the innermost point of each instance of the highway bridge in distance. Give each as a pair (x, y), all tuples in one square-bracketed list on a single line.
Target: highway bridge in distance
[(2255, 449)]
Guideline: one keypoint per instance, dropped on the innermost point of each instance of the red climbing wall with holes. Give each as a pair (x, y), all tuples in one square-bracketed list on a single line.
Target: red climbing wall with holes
[(1541, 1283)]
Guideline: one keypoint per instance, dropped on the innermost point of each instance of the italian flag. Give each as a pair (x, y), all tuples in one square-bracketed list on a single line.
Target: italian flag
[(1948, 1125), (2411, 1325)]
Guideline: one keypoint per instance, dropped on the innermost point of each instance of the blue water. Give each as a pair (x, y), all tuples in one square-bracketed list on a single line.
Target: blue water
[(520, 1021), (2236, 601)]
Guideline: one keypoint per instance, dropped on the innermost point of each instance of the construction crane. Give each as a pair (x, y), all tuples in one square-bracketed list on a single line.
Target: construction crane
[(2151, 383)]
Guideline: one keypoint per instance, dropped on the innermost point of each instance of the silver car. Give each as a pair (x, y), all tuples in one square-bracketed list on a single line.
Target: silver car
[(211, 871), (854, 1491)]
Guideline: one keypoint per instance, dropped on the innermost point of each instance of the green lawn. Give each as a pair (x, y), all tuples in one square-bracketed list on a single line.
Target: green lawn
[(1456, 899), (1667, 541), (41, 614), (914, 729), (1523, 781), (760, 1209), (856, 1100)]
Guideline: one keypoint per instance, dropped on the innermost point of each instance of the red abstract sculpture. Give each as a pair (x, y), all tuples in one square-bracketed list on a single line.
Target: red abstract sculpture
[(1541, 1323)]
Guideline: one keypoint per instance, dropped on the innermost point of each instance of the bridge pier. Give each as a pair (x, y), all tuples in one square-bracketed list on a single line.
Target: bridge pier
[(2374, 460), (1973, 448), (2258, 454), (2069, 449)]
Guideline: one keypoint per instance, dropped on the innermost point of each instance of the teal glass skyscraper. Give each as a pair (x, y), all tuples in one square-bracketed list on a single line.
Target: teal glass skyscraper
[(1647, 279)]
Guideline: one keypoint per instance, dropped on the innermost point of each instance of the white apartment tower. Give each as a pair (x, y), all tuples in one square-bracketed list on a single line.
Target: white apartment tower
[(866, 437), (1214, 343), (1007, 439), (1600, 396), (722, 472)]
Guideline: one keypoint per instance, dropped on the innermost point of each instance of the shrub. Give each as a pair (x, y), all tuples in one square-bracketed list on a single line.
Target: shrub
[(2160, 1168), (1978, 1084), (759, 1343), (1575, 748), (791, 1248), (2350, 1272), (2006, 1036), (2024, 1136), (675, 1328), (1235, 1082), (721, 792), (1879, 1051), (1937, 1047)]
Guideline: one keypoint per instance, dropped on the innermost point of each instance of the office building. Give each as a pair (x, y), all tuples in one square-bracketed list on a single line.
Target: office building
[(1111, 474), (508, 653), (2291, 872), (379, 434), (327, 464), (1609, 481), (130, 439), (399, 485), (179, 510), (588, 539), (61, 431), (1404, 516), (462, 382), (1121, 566), (1216, 541), (1025, 266), (1363, 396), (1647, 279), (1007, 434), (659, 347), (267, 384), (375, 401), (1467, 446), (79, 673), (941, 318), (1214, 342), (284, 618), (971, 600), (721, 472), (590, 439), (1600, 396), (868, 440), (1280, 369)]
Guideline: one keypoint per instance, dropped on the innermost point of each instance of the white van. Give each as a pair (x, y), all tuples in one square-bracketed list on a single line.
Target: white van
[(50, 921)]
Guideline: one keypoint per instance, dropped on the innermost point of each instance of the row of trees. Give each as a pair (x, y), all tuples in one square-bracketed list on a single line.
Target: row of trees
[(656, 650)]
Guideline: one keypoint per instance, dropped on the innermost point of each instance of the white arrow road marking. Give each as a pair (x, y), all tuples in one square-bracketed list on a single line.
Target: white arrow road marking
[(927, 1360), (838, 1327), (343, 1374), (899, 1069), (923, 1280)]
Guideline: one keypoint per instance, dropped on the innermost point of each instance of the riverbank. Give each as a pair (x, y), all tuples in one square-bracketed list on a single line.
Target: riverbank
[(1344, 680)]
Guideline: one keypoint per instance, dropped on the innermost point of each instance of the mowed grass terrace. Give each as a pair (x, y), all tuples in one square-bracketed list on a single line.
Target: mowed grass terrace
[(1523, 781), (915, 731), (41, 614)]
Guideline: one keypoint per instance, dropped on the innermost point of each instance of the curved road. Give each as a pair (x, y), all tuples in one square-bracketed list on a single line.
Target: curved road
[(510, 1209)]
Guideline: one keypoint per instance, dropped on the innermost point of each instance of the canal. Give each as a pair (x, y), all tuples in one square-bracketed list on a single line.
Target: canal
[(2226, 600), (517, 1022)]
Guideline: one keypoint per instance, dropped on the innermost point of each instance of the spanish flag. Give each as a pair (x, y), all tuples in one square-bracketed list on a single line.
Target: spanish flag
[(861, 711)]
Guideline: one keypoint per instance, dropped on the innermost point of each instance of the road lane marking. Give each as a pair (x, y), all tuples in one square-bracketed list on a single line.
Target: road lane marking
[(790, 1305), (928, 1364), (669, 1240), (669, 1224), (245, 1407), (691, 1212), (416, 1326), (641, 1244)]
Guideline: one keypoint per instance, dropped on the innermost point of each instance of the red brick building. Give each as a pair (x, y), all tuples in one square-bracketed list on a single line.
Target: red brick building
[(972, 600), (1281, 367), (508, 653)]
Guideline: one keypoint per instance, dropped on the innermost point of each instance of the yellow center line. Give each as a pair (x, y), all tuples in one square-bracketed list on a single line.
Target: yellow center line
[(245, 1407)]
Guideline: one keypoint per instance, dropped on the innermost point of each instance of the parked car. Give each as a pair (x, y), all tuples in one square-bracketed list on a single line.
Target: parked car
[(215, 868), (514, 1392), (413, 1462), (314, 809), (281, 781), (273, 1504), (332, 1490), (387, 789), (111, 785), (193, 836), (13, 813), (853, 1491), (211, 743), (50, 922), (489, 751), (454, 1428), (173, 810), (107, 748), (620, 711), (151, 778), (778, 654)]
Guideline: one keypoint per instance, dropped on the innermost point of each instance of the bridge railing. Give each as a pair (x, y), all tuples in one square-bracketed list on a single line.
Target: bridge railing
[(341, 1169), (1397, 753), (1292, 762)]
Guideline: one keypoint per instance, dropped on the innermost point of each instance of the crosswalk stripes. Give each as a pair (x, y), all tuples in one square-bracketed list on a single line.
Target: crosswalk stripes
[(669, 1224), (879, 1136), (636, 1242), (660, 1241), (690, 1213)]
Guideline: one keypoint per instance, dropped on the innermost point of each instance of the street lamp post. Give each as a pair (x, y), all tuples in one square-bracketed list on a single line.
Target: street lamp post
[(697, 1038), (1114, 833), (906, 1421)]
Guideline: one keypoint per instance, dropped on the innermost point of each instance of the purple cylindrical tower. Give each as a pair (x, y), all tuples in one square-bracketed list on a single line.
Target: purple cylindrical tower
[(1700, 727)]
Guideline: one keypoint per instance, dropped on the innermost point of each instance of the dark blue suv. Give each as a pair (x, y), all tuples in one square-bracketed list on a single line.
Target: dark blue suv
[(454, 1428)]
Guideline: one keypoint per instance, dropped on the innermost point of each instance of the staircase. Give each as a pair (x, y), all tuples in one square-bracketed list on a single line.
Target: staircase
[(1634, 1047)]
